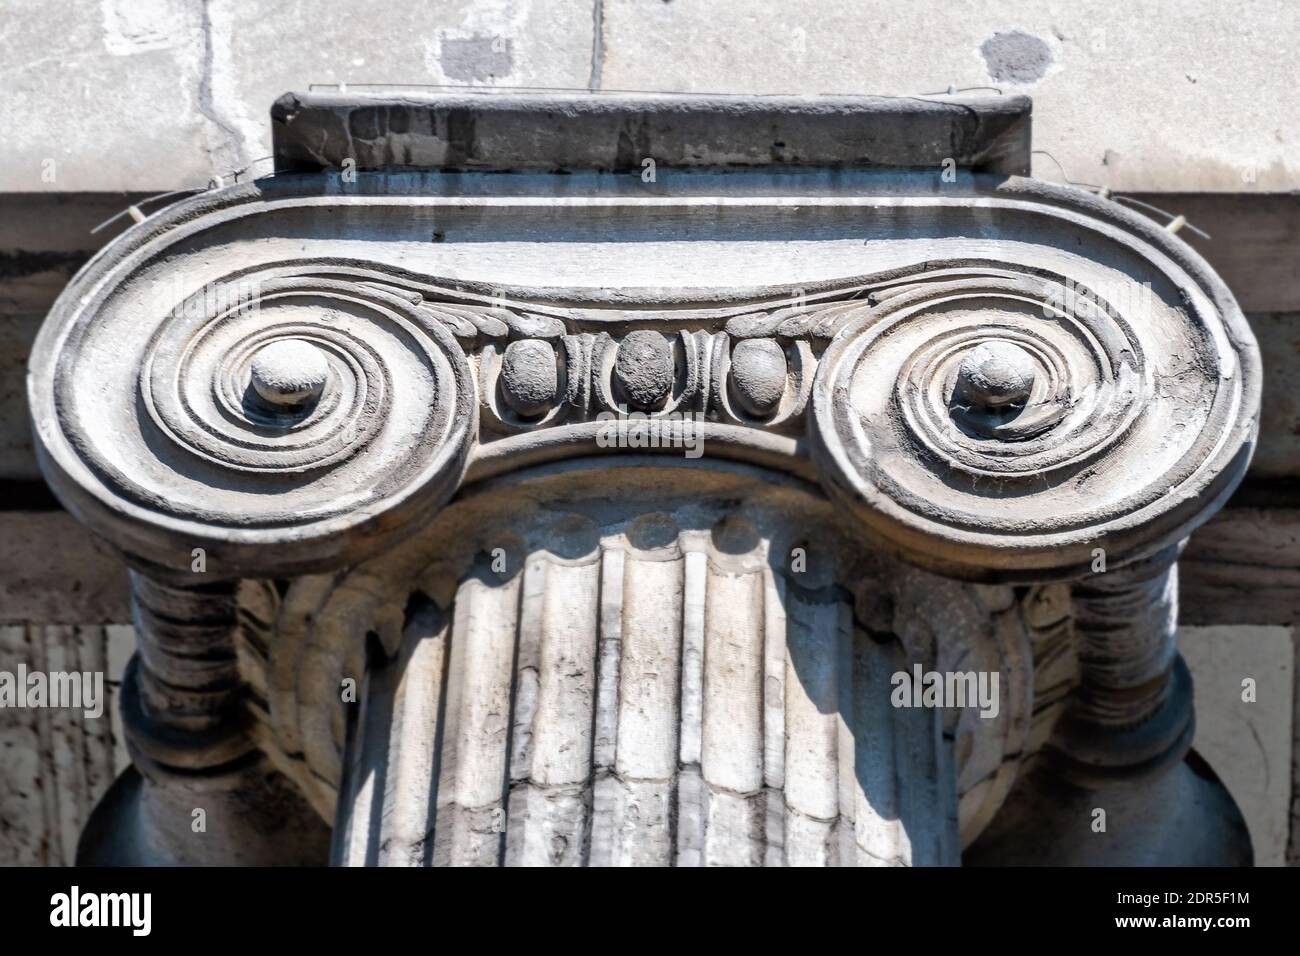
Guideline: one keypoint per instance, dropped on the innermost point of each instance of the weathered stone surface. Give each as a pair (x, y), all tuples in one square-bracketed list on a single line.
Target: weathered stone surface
[(545, 327), (994, 376), (453, 43), (644, 369), (395, 386), (659, 695), (637, 132), (52, 571), (58, 584), (288, 372), (1094, 70), (1080, 409), (1250, 239), (1243, 567), (56, 763), (1247, 742), (528, 376), (177, 91), (193, 82), (758, 370), (653, 658), (1026, 485), (116, 79), (1278, 455), (44, 239)]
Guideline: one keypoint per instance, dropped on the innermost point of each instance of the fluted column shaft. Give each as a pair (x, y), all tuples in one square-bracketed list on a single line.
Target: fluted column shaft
[(671, 705)]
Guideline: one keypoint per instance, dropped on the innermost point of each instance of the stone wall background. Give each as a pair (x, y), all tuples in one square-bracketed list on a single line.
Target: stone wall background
[(1187, 106)]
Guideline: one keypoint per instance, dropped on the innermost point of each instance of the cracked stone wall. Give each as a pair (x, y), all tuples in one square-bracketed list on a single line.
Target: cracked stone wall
[(158, 94), (1184, 105)]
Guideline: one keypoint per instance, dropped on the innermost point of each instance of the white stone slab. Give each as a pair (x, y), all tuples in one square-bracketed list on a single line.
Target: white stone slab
[(1131, 96)]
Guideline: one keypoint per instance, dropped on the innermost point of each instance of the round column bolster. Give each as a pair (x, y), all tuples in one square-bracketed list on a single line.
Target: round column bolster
[(182, 691), (174, 743), (1089, 753)]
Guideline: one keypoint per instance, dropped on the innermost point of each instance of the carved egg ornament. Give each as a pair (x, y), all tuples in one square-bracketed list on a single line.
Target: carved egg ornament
[(529, 379), (758, 375), (644, 369)]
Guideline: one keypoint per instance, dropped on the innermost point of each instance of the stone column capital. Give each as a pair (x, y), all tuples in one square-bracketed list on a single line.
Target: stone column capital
[(995, 376), (548, 460)]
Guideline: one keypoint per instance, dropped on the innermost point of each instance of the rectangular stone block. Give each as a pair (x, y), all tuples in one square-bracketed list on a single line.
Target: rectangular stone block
[(55, 763), (1243, 567), (1094, 69), (53, 571), (1245, 682)]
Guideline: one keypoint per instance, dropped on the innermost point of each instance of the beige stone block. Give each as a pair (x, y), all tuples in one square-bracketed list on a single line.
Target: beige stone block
[(1248, 744), (103, 96), (152, 95), (55, 763), (521, 43), (1094, 69), (54, 571)]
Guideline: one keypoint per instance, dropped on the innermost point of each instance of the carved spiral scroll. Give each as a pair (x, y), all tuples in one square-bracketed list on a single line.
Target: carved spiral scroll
[(1013, 423), (306, 419)]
